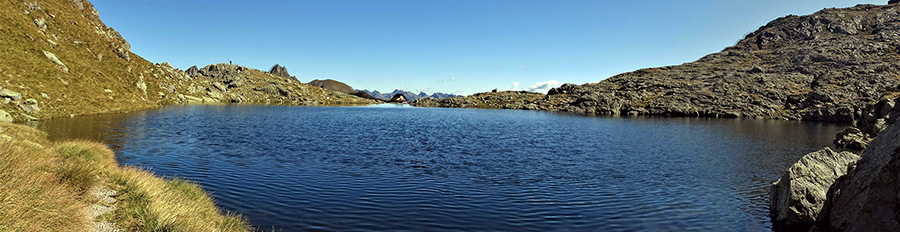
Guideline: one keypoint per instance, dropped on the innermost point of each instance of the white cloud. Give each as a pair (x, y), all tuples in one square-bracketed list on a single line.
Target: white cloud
[(515, 86), (543, 87), (460, 92)]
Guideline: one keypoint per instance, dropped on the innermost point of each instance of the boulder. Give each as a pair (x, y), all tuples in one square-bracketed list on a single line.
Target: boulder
[(5, 117), (851, 138), (56, 61), (279, 70), (41, 23), (868, 197), (122, 53), (799, 196), (30, 105), (6, 93)]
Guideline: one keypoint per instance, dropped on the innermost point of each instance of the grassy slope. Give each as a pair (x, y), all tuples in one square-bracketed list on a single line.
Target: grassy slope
[(88, 49), (43, 187)]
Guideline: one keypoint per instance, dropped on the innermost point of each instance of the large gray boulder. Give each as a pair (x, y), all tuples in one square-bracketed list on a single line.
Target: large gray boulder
[(868, 198), (6, 93), (800, 195)]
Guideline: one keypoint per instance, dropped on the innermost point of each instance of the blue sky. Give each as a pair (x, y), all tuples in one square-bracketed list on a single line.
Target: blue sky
[(452, 46)]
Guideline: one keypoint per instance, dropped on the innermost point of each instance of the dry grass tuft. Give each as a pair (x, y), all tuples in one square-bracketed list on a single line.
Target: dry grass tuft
[(43, 188), (31, 198), (153, 204)]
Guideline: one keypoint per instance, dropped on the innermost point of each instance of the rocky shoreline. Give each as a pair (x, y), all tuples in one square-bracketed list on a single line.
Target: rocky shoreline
[(843, 191)]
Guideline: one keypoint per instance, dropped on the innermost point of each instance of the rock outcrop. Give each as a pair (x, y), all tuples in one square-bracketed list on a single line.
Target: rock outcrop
[(868, 198), (799, 196), (280, 71), (820, 67)]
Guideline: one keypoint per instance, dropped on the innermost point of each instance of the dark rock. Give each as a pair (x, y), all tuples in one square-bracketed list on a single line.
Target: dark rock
[(398, 98), (193, 71), (851, 138), (122, 53), (867, 198), (799, 196), (279, 70), (893, 1), (757, 70)]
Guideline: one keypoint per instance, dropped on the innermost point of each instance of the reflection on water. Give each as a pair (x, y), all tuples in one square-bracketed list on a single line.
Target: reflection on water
[(395, 167)]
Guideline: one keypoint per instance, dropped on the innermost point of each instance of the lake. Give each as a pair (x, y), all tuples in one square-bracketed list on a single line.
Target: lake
[(394, 167)]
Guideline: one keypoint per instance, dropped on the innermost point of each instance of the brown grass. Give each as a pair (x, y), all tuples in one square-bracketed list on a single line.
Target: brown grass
[(31, 196), (42, 188)]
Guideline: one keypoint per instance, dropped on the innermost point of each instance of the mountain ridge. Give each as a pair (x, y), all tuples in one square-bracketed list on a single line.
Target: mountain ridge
[(820, 67), (60, 59), (409, 94)]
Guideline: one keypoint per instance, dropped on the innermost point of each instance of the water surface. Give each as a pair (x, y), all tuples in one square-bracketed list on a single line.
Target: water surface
[(428, 169)]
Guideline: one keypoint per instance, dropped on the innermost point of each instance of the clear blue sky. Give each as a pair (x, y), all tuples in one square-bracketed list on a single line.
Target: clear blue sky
[(453, 46)]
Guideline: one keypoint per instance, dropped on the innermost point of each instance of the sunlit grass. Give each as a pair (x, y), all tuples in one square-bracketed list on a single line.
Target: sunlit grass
[(43, 188)]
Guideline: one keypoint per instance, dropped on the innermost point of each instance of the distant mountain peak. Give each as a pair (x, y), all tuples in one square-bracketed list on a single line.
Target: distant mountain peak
[(410, 96)]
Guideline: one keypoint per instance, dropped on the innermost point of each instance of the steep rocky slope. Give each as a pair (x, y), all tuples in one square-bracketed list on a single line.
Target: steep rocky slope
[(58, 59), (821, 67)]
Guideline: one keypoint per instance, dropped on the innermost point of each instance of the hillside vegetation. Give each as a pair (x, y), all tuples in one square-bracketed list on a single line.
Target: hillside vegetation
[(820, 67), (78, 186), (59, 59)]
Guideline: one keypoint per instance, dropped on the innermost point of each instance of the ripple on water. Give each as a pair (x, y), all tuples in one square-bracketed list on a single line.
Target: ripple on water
[(359, 168)]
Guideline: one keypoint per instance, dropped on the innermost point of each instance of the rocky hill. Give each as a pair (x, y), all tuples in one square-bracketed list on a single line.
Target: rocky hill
[(333, 85), (59, 59), (342, 87), (820, 67)]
